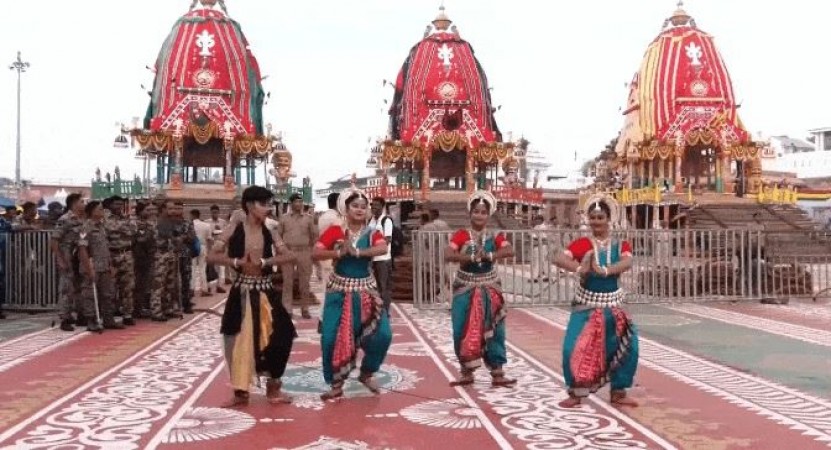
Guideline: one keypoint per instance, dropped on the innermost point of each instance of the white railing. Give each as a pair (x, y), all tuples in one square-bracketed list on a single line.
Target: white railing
[(28, 270), (669, 266)]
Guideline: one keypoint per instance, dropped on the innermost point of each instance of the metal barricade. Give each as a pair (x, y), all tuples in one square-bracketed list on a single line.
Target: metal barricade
[(30, 277), (668, 266)]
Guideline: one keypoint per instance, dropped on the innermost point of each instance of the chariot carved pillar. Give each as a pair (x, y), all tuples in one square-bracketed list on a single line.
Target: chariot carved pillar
[(425, 174), (470, 168), (229, 163), (178, 147), (726, 172), (754, 173), (679, 185), (719, 175)]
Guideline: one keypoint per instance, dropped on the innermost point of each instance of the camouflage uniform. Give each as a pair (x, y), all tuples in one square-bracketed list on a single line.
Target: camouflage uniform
[(164, 299), (143, 255), (94, 237), (69, 281), (184, 236), (121, 233)]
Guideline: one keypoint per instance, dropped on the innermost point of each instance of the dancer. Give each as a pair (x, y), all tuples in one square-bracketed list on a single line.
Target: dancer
[(353, 313), (258, 330), (478, 309), (601, 342)]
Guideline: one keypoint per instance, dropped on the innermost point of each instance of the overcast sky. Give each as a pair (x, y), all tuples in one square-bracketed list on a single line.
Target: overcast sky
[(557, 68)]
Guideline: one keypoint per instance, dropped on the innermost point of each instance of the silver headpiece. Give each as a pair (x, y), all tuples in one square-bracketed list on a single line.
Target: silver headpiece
[(594, 201), (482, 195), (345, 194)]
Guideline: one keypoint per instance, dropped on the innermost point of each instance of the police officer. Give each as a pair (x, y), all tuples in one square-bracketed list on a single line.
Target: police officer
[(143, 255), (64, 247), (184, 237), (164, 298), (121, 233), (97, 270)]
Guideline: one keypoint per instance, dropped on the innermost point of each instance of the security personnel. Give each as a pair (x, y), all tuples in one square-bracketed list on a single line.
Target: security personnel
[(97, 270), (64, 247), (164, 298), (143, 255), (121, 234), (184, 237)]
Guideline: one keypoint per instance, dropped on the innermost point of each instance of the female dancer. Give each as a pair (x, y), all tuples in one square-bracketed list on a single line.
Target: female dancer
[(353, 312), (601, 342), (478, 308), (258, 330)]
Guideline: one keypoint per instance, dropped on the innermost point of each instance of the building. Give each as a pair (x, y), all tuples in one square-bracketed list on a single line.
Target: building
[(808, 161), (205, 116), (442, 126), (681, 122)]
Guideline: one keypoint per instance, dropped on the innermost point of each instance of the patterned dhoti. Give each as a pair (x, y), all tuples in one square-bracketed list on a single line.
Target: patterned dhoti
[(258, 332)]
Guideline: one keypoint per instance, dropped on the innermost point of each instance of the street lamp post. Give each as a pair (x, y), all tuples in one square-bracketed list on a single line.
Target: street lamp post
[(20, 66)]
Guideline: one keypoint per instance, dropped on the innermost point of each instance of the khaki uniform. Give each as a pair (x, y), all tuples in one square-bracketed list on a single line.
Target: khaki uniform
[(298, 233), (143, 255), (67, 233), (121, 234), (93, 236), (164, 298)]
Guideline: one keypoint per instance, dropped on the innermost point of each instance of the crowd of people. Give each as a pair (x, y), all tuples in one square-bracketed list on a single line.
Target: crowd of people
[(151, 264), (355, 317)]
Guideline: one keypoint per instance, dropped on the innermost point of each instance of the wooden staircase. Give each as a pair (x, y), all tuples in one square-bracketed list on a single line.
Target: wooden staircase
[(740, 215)]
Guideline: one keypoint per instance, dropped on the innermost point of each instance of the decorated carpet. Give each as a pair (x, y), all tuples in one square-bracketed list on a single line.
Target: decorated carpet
[(715, 376)]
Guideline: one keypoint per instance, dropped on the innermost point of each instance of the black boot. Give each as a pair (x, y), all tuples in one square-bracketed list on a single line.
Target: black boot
[(110, 324), (66, 325)]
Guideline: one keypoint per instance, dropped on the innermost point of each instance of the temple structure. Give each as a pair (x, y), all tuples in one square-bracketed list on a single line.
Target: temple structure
[(682, 129), (204, 123), (442, 133)]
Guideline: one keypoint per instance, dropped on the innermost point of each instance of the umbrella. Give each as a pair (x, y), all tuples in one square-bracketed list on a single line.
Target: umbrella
[(6, 202)]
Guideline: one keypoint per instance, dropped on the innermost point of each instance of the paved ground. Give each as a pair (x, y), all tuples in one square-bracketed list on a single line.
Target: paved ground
[(714, 376)]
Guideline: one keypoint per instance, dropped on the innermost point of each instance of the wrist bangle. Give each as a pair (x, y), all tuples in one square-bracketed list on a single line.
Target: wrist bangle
[(357, 252), (605, 271), (236, 263), (262, 262), (490, 256)]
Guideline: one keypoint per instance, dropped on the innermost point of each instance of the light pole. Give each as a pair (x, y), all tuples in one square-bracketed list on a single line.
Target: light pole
[(20, 66)]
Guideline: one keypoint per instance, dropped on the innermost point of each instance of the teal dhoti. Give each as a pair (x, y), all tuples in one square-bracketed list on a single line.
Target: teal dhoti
[(478, 315), (354, 318), (601, 342)]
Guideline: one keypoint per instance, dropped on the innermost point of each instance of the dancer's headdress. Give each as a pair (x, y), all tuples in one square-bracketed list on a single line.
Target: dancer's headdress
[(482, 195), (594, 202), (345, 194)]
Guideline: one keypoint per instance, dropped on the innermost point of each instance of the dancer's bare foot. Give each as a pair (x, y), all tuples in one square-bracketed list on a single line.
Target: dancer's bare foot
[(241, 398), (498, 379), (620, 398), (570, 402), (502, 381), (369, 383), (465, 380), (332, 394), (274, 393)]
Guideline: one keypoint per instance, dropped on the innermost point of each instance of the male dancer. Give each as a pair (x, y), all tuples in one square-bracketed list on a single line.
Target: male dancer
[(257, 327)]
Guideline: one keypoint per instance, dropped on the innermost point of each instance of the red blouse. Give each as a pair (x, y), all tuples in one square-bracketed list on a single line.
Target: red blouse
[(335, 233), (578, 248), (461, 237)]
